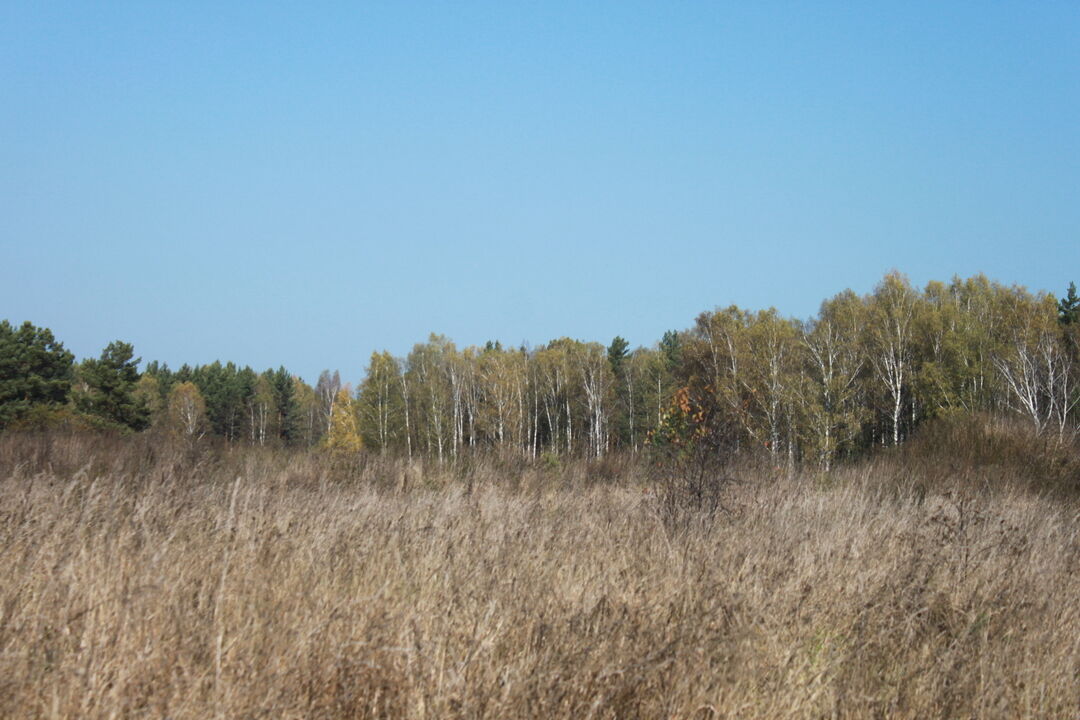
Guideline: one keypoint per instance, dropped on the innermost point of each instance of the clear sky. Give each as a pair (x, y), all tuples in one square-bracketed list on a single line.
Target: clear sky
[(304, 183)]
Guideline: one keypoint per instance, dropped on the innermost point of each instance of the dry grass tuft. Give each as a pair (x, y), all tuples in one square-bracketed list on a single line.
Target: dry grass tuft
[(147, 581)]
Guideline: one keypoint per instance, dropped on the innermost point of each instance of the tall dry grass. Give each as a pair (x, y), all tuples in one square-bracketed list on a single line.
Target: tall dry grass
[(141, 580)]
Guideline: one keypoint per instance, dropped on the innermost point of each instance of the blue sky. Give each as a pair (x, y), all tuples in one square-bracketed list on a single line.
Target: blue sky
[(304, 183)]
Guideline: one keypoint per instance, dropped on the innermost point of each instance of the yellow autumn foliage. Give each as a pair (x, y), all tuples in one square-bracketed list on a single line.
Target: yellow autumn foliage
[(343, 436)]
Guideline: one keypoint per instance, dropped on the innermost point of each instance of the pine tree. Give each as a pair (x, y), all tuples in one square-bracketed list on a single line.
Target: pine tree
[(288, 421), (35, 369), (109, 390), (1069, 307), (671, 347), (616, 354), (622, 420)]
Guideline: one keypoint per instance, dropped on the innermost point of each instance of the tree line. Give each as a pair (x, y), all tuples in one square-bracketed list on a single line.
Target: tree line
[(866, 371)]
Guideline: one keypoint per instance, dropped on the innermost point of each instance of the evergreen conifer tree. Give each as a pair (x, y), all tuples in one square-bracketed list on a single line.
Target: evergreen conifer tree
[(1069, 307), (109, 390), (34, 369)]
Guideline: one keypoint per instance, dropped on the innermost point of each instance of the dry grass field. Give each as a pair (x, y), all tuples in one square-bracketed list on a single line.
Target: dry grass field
[(142, 581)]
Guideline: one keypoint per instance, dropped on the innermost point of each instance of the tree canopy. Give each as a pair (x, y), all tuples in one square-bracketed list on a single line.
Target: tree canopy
[(108, 387), (35, 369), (865, 372)]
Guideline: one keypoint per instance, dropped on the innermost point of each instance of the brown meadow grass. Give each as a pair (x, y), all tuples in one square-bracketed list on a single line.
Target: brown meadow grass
[(144, 580)]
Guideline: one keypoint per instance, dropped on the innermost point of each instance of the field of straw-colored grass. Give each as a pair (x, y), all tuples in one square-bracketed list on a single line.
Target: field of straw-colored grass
[(137, 582)]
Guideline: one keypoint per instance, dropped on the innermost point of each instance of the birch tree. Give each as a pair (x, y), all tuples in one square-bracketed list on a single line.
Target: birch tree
[(834, 363), (716, 358), (380, 404), (502, 381), (342, 436), (326, 391), (187, 410), (769, 380), (889, 339), (430, 384), (597, 381), (1035, 366)]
